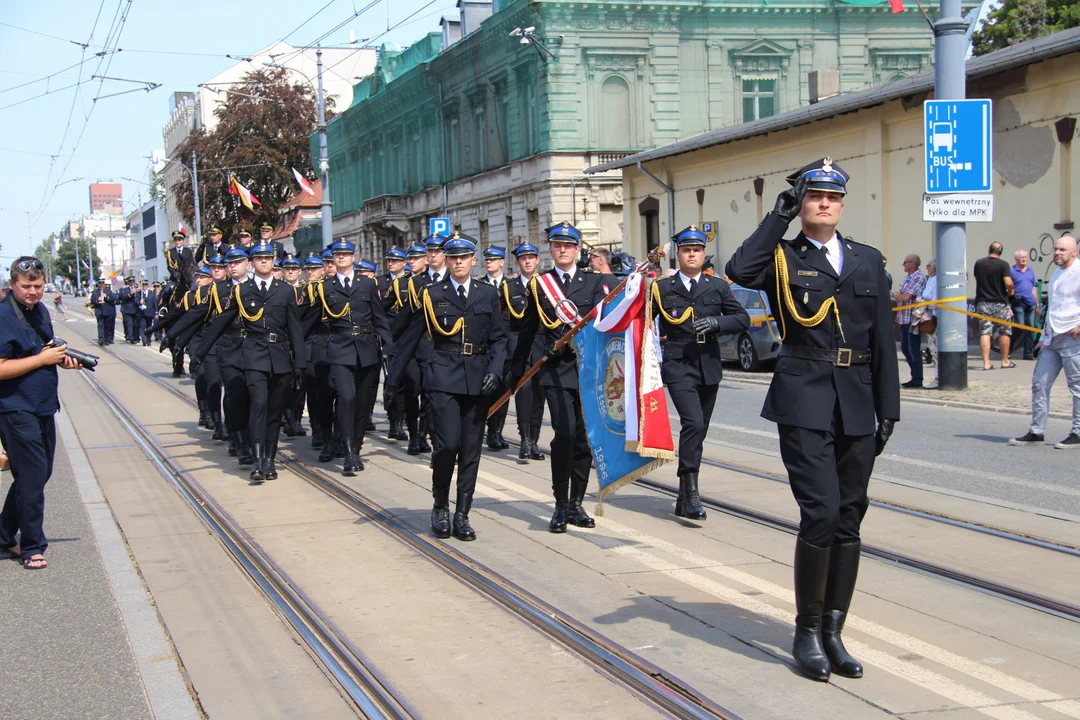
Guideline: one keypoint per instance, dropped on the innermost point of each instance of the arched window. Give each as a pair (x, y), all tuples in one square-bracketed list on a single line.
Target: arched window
[(615, 113)]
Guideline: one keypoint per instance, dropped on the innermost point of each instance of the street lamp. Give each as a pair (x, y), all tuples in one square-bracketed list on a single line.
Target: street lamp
[(193, 171), (324, 157)]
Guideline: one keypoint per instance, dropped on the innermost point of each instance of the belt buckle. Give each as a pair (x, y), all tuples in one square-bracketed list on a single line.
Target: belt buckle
[(466, 348), (843, 357), (243, 333), (271, 337), (699, 338)]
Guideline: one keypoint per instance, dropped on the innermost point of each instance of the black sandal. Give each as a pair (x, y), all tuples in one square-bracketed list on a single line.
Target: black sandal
[(35, 563)]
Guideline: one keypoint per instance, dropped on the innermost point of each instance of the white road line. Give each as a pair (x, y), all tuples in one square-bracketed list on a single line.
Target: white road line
[(933, 681)]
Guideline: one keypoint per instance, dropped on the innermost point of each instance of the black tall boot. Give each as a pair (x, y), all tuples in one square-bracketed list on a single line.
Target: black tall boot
[(843, 570), (287, 425), (534, 449), (219, 426), (317, 440), (680, 500), (234, 442), (462, 529), (692, 504), (492, 440), (257, 476), (352, 463), (243, 448), (526, 443), (811, 576), (204, 416), (298, 422), (440, 512), (269, 470), (369, 426), (575, 513), (558, 518)]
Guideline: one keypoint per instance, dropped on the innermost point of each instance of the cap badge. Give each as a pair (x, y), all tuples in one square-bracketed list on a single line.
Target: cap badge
[(827, 165), (693, 228)]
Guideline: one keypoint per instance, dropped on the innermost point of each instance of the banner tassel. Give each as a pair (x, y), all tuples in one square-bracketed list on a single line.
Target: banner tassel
[(599, 511)]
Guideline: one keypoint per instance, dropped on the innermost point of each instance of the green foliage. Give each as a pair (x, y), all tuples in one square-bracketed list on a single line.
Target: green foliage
[(262, 133), (1014, 21), (65, 257)]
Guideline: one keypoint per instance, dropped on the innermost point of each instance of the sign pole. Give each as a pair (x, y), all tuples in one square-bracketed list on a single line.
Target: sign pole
[(950, 83)]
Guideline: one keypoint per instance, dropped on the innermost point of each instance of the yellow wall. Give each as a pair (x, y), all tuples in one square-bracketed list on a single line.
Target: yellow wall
[(882, 149)]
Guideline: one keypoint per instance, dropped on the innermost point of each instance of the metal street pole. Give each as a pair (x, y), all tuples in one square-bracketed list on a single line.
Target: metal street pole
[(324, 160), (950, 83), (195, 193), (78, 268)]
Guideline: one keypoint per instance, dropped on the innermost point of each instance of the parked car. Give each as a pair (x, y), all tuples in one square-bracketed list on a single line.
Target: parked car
[(759, 345)]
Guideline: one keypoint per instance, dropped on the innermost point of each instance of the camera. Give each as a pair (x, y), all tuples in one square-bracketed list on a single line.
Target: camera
[(88, 361)]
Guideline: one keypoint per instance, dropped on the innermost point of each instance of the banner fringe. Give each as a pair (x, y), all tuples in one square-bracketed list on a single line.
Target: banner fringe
[(632, 477)]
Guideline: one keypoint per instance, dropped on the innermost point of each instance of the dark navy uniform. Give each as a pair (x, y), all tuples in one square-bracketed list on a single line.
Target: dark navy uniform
[(181, 263), (129, 309), (279, 249), (209, 249), (529, 398), (292, 423), (147, 304), (317, 374), (496, 257), (835, 381), (571, 459), (392, 301), (194, 306), (468, 334), (103, 303), (693, 313), (410, 388), (357, 323)]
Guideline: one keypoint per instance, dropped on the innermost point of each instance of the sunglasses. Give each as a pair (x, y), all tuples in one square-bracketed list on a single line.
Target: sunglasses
[(25, 265)]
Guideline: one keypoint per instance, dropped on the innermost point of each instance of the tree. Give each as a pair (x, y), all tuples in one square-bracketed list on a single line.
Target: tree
[(65, 258), (262, 133), (1014, 21)]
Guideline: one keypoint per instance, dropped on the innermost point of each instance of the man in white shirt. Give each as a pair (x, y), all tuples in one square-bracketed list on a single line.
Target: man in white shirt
[(1060, 347)]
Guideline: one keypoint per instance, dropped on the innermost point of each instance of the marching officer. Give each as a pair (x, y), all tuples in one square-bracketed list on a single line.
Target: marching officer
[(211, 246), (103, 304), (462, 319), (394, 405), (193, 305), (571, 459), (837, 370), (350, 302), (147, 312), (695, 310), (494, 261), (529, 399), (129, 309), (317, 334), (293, 425), (410, 386), (265, 231), (272, 340)]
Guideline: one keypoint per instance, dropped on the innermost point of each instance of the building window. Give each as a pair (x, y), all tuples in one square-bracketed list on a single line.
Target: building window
[(758, 98), (485, 236), (510, 232), (534, 226)]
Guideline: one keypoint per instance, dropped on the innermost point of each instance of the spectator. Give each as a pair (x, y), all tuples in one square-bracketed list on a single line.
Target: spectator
[(993, 286), (1059, 348), (58, 303), (28, 401), (929, 293), (599, 260), (1025, 302), (910, 343)]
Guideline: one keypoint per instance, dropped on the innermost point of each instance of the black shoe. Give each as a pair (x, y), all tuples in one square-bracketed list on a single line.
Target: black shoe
[(462, 529), (219, 426), (401, 433), (1029, 439), (424, 446), (352, 463), (523, 451), (503, 445), (232, 444), (257, 476), (243, 449), (911, 384), (326, 454), (493, 441), (811, 577), (337, 449), (692, 509), (1070, 443), (558, 519), (204, 417), (843, 570), (287, 424), (440, 513), (370, 426), (576, 515), (534, 449), (414, 446), (317, 441)]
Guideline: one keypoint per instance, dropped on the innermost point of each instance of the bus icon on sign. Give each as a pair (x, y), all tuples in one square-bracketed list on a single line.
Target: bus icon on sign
[(942, 136)]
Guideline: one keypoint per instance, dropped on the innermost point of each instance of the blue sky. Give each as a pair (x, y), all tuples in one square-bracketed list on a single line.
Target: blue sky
[(112, 138)]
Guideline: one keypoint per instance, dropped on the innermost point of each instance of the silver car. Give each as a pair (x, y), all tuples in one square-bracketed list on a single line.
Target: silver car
[(760, 343)]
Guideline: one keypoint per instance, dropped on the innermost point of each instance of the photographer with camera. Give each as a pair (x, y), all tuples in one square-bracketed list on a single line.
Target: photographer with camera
[(29, 356)]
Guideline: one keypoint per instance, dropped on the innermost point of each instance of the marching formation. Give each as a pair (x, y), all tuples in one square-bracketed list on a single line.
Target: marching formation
[(265, 343)]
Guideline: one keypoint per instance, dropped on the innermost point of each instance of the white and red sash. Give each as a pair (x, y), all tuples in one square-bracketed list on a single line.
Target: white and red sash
[(565, 310)]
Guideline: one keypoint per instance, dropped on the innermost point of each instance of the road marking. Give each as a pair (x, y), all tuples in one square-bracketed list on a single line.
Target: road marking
[(920, 676)]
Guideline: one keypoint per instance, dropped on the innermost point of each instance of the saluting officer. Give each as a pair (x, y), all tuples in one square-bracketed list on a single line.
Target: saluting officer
[(529, 399), (103, 304), (837, 370), (395, 406), (462, 319), (694, 309), (265, 231), (571, 459), (350, 303), (494, 262)]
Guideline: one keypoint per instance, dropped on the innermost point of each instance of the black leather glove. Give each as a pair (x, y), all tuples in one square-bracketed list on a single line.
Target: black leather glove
[(789, 202), (298, 378), (554, 354), (884, 432), (707, 324), (491, 384)]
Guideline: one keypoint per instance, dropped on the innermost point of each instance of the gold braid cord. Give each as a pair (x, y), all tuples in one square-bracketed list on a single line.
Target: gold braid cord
[(660, 306), (510, 305), (783, 291), (214, 306), (326, 308), (395, 285), (433, 322), (544, 319), (414, 299), (173, 265), (240, 307)]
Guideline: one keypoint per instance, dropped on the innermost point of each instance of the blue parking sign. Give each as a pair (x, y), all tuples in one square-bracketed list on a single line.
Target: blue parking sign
[(438, 226), (959, 145)]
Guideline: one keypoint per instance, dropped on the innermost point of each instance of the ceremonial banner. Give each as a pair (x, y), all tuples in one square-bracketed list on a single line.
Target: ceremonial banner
[(622, 395)]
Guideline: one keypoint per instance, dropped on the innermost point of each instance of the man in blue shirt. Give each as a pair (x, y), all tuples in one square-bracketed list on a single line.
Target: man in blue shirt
[(28, 401), (1025, 302)]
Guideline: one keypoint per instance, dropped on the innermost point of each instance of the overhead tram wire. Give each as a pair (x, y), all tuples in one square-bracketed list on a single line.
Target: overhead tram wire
[(383, 33)]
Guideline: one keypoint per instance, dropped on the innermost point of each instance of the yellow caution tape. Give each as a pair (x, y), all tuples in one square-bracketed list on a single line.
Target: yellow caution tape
[(940, 304)]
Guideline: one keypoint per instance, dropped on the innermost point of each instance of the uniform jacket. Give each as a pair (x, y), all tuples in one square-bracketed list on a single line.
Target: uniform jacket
[(683, 355), (103, 303), (394, 295), (587, 290), (805, 393), (354, 337), (514, 299), (181, 265), (195, 310), (316, 330), (267, 344), (207, 250), (448, 370), (415, 286), (129, 304)]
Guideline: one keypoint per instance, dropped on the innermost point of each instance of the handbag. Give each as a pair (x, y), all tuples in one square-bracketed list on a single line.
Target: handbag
[(927, 327)]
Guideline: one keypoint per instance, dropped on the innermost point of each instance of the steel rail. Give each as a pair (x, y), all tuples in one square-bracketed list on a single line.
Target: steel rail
[(365, 687)]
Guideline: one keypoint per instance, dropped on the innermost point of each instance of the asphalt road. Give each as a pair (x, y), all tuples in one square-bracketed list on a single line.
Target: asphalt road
[(953, 450)]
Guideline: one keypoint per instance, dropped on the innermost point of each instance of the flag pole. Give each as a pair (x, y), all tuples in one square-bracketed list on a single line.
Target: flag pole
[(654, 258)]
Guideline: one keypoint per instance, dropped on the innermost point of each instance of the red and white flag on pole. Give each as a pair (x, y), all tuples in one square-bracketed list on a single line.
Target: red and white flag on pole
[(304, 184), (897, 6), (235, 188)]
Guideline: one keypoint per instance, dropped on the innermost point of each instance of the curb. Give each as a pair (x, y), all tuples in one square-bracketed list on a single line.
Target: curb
[(957, 404)]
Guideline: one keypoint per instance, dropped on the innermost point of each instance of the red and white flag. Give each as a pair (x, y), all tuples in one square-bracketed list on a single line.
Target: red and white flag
[(897, 6), (304, 184), (249, 200)]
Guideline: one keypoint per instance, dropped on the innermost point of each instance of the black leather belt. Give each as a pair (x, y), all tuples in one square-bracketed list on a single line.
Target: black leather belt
[(699, 338), (354, 330), (463, 348), (840, 357), (270, 337)]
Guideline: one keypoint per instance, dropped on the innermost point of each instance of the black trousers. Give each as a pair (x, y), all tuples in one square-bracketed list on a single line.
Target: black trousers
[(571, 458), (529, 406), (106, 329), (266, 393), (458, 429), (694, 402), (130, 327), (496, 422), (327, 401), (829, 474), (237, 404), (210, 371), (355, 394), (410, 397), (29, 441), (143, 324)]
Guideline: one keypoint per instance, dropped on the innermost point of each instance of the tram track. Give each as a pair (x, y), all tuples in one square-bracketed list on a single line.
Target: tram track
[(344, 662)]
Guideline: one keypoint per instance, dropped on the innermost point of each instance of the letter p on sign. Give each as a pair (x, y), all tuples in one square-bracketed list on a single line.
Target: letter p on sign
[(438, 226)]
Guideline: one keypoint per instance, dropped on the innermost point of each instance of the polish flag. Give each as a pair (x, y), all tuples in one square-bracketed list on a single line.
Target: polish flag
[(304, 184), (897, 6), (249, 200)]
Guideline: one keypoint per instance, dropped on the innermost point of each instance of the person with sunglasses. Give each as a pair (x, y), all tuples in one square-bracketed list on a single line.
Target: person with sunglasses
[(29, 356)]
